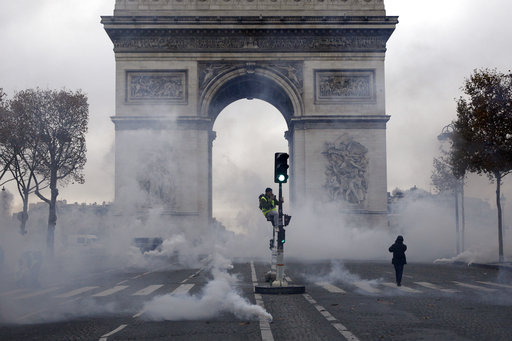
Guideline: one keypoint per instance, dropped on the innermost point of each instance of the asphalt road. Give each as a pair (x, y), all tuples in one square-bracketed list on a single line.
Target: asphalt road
[(343, 301)]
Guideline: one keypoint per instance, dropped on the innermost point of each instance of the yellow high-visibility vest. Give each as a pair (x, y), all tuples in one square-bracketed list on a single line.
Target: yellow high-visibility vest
[(265, 211)]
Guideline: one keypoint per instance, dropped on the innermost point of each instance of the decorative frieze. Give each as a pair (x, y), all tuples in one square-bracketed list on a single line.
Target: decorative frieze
[(250, 40), (346, 171), (156, 86), (342, 86), (291, 71)]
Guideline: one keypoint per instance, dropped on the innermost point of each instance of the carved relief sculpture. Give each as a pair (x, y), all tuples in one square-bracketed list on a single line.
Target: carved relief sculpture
[(346, 171), (335, 86), (289, 70), (168, 86)]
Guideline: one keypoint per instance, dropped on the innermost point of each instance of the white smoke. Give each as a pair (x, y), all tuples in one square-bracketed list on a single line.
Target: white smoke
[(217, 297)]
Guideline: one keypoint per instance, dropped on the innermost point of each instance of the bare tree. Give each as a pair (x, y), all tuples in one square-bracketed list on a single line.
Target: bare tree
[(482, 140), (59, 123), (20, 147), (5, 129)]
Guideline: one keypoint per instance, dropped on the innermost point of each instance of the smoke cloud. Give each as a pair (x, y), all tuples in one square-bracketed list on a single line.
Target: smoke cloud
[(218, 296)]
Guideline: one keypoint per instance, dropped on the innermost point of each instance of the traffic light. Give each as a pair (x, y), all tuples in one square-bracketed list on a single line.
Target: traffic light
[(281, 239), (281, 168)]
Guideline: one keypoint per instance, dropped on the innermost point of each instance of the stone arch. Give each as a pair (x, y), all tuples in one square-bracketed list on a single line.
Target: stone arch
[(265, 82), (321, 64)]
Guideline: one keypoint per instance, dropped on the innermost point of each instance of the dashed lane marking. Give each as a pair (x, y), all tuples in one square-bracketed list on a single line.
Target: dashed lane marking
[(365, 286), (476, 287), (496, 284), (118, 329), (266, 332), (334, 321), (148, 290), (402, 288), (110, 291), (331, 288), (436, 287), (76, 292)]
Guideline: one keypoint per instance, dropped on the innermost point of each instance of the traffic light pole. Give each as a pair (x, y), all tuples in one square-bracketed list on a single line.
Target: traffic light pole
[(279, 286), (280, 245)]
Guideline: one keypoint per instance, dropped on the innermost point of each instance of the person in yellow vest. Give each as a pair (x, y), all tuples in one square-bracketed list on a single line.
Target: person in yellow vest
[(268, 205)]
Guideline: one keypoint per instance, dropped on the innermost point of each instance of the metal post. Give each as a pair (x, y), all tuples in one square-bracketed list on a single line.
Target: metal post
[(280, 247)]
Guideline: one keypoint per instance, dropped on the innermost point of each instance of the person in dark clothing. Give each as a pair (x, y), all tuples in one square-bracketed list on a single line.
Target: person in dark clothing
[(399, 260)]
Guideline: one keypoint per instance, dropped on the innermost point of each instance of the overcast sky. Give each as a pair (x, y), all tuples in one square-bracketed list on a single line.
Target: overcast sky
[(61, 43)]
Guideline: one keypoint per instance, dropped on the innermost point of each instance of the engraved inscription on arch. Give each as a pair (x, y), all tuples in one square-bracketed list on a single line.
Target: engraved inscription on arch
[(168, 86), (344, 86)]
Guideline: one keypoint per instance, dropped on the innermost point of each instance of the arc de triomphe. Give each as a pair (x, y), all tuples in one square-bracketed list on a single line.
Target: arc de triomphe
[(319, 62)]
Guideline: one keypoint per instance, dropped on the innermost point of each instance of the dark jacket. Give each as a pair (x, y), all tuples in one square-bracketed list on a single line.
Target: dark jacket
[(398, 249)]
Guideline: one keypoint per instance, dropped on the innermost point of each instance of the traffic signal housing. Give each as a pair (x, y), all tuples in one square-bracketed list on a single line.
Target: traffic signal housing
[(281, 167), (281, 237)]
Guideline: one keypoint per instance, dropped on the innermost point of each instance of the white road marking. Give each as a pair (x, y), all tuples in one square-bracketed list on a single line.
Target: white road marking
[(476, 287), (192, 276), (138, 314), (331, 288), (182, 289), (266, 332), (76, 292), (110, 291), (365, 286), (118, 329), (402, 288), (334, 322), (436, 287), (37, 293), (496, 284), (122, 282), (148, 290)]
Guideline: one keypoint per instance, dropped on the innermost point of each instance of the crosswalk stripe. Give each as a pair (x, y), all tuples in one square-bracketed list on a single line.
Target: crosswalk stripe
[(365, 286), (148, 290), (496, 284), (76, 292), (402, 288), (182, 289), (435, 287), (37, 293), (110, 291), (477, 287), (331, 288)]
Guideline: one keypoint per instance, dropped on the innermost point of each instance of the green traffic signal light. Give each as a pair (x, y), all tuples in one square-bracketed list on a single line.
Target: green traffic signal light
[(281, 167)]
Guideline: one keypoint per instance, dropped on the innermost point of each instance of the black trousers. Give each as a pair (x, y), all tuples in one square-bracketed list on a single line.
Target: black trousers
[(399, 270)]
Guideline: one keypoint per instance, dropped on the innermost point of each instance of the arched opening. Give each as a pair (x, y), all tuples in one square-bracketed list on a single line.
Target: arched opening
[(248, 133), (250, 86)]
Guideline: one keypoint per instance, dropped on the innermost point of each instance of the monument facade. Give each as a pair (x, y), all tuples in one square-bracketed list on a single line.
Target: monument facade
[(320, 63)]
